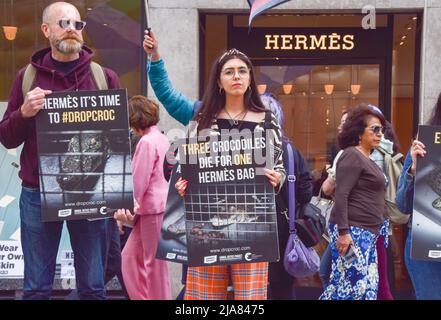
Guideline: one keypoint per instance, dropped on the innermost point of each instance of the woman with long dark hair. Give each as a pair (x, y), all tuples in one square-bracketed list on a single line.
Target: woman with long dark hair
[(231, 92), (231, 101)]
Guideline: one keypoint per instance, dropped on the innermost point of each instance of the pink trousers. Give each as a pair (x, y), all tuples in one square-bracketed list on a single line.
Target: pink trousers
[(145, 277)]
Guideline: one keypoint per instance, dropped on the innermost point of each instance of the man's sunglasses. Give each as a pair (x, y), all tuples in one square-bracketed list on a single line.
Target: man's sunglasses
[(377, 129), (65, 23)]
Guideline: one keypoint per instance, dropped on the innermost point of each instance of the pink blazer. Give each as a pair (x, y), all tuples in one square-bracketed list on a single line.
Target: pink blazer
[(150, 187)]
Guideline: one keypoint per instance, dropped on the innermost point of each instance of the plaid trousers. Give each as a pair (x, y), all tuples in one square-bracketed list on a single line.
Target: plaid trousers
[(250, 281)]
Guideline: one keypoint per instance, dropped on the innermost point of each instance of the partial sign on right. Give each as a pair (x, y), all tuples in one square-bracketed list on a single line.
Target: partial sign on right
[(426, 219)]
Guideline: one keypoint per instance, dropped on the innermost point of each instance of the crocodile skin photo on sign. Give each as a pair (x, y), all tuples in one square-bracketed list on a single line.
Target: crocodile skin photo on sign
[(80, 166), (87, 156)]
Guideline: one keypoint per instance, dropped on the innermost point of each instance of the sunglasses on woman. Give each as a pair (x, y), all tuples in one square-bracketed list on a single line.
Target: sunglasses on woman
[(377, 129)]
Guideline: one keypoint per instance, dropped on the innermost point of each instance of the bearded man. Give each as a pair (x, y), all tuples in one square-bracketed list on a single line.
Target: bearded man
[(65, 66)]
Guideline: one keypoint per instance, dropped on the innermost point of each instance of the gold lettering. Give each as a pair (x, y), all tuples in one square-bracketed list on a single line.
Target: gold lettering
[(310, 42), (196, 148), (274, 42), (437, 137), (334, 39), (240, 159), (99, 117), (184, 147), (348, 42), (110, 115), (318, 43), (286, 42), (301, 39)]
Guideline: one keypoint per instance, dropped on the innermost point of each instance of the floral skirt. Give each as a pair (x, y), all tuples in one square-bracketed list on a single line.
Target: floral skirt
[(356, 280)]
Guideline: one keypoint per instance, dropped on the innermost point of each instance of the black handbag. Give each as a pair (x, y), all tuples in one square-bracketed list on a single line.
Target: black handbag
[(310, 224)]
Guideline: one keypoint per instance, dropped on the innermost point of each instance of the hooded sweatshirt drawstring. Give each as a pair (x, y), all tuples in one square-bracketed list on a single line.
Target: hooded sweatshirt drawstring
[(53, 78), (76, 81)]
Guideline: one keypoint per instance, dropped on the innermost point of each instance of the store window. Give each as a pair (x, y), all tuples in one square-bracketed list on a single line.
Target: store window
[(313, 99), (405, 77), (113, 31)]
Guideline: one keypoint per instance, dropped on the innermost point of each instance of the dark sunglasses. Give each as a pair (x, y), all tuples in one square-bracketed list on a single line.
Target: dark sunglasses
[(377, 129), (78, 25)]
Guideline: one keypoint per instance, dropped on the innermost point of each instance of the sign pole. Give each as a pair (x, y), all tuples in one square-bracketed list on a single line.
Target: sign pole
[(148, 27)]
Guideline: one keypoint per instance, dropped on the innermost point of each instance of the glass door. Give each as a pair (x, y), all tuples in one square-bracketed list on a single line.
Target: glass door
[(313, 99)]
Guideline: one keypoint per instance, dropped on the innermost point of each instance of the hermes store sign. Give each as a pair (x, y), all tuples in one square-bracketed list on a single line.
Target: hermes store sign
[(312, 43), (333, 41)]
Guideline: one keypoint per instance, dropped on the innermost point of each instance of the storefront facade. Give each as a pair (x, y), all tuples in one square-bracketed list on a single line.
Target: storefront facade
[(319, 61)]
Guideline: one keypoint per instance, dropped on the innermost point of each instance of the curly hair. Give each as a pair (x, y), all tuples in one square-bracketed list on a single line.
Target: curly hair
[(355, 125)]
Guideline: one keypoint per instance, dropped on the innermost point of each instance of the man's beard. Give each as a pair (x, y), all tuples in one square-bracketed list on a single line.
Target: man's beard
[(68, 45)]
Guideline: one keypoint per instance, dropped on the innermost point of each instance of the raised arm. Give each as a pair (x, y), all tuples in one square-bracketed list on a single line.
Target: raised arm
[(177, 104)]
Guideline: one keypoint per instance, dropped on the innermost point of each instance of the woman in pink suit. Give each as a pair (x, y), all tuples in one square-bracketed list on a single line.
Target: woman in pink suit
[(145, 277)]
